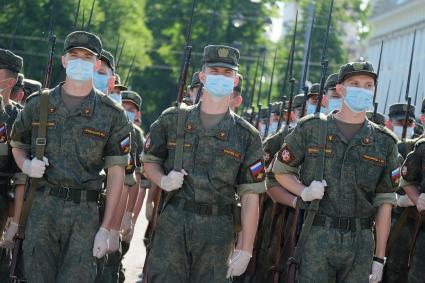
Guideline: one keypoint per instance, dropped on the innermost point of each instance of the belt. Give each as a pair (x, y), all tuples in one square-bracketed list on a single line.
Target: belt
[(204, 209), (343, 223), (69, 194)]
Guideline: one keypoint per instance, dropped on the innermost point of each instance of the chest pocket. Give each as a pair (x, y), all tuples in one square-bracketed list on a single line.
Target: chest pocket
[(91, 144), (370, 167)]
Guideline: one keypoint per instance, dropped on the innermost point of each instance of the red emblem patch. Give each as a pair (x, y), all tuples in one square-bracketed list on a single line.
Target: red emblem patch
[(285, 155)]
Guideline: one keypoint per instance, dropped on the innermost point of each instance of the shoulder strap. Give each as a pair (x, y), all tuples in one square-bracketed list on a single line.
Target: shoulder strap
[(314, 205), (39, 152), (181, 119)]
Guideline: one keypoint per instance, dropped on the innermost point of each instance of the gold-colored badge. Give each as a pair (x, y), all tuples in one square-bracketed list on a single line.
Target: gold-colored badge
[(223, 52), (358, 66)]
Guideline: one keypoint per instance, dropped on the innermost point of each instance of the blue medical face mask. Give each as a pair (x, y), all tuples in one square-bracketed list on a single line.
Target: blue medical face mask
[(311, 109), (116, 97), (100, 82), (80, 70), (219, 86), (334, 104), (131, 116), (358, 99)]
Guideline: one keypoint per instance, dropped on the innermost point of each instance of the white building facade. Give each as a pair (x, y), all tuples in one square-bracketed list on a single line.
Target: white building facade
[(394, 23)]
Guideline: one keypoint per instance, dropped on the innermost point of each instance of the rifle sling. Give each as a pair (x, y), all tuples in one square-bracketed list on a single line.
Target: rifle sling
[(39, 153), (314, 205)]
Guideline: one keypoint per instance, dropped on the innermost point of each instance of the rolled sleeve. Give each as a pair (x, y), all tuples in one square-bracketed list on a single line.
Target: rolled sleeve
[(111, 161), (383, 198)]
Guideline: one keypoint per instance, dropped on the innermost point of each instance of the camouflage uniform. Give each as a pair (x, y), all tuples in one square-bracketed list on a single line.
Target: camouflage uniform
[(197, 221), (64, 217), (413, 174), (361, 174)]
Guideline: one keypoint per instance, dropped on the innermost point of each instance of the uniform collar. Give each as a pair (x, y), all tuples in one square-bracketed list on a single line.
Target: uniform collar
[(362, 137), (56, 103)]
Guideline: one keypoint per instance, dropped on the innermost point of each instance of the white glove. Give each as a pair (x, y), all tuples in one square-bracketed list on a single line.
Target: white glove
[(316, 190), (35, 168), (100, 246), (113, 241), (127, 238), (420, 204), (8, 235), (173, 181), (238, 263), (404, 201), (149, 210), (126, 223), (376, 275)]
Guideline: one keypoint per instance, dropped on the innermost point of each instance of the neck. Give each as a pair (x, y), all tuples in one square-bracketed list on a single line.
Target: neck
[(77, 88), (211, 106), (350, 117), (6, 95)]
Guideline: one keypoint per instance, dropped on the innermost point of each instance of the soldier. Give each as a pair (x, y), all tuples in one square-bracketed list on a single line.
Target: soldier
[(221, 152), (17, 92), (297, 105), (360, 174), (61, 240), (104, 77), (30, 86), (333, 98), (236, 97), (412, 182), (193, 87), (377, 118), (115, 93), (397, 114), (313, 93)]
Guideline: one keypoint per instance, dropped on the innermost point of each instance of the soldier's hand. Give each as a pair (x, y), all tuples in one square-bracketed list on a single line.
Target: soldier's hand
[(404, 201), (149, 210), (127, 223), (35, 168), (8, 235), (113, 241), (127, 238), (100, 246), (173, 181), (316, 190), (376, 275), (420, 204), (238, 263)]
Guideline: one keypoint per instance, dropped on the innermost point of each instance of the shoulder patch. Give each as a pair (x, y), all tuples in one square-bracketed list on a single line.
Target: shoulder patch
[(387, 132), (311, 118), (32, 95), (108, 101), (175, 109), (245, 124)]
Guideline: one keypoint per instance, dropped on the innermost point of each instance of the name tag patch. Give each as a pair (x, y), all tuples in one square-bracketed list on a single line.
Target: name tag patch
[(232, 153), (94, 133), (373, 159)]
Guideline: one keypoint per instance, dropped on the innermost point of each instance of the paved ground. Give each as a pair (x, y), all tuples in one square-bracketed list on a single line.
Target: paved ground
[(134, 259)]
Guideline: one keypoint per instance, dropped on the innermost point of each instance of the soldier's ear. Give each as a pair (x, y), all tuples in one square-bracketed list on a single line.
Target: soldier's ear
[(236, 81), (340, 89), (111, 83), (63, 61)]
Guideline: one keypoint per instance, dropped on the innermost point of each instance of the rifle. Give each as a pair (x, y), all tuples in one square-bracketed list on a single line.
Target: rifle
[(375, 104), (269, 110), (76, 15), (388, 93), (119, 57), (401, 91), (199, 93), (408, 99), (417, 87), (31, 184), (251, 101), (131, 68), (314, 205), (257, 123), (90, 16), (325, 61)]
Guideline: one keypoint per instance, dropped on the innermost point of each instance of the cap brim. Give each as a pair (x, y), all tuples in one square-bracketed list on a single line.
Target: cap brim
[(223, 65), (131, 101), (80, 47), (121, 87), (370, 74), (402, 117)]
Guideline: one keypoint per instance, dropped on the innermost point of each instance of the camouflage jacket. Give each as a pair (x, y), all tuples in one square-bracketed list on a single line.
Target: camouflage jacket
[(413, 169), (81, 142), (361, 174), (136, 149), (217, 160)]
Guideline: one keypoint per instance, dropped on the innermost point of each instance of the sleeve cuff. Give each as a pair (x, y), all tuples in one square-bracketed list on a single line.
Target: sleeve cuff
[(282, 168), (253, 188), (130, 179), (383, 198), (19, 178), (149, 158), (116, 161), (17, 144)]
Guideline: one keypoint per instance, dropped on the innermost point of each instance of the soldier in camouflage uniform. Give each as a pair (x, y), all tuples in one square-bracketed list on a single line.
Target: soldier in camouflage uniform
[(193, 87), (313, 94), (333, 98), (413, 183), (360, 177), (30, 86), (236, 97), (221, 152), (397, 115), (61, 240)]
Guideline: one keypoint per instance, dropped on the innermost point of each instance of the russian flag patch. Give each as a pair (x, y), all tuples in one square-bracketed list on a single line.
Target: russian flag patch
[(125, 144), (257, 171), (3, 133), (395, 175)]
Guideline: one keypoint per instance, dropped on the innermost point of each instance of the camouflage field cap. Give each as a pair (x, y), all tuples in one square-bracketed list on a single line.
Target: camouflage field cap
[(221, 56), (84, 40), (195, 81), (108, 58), (10, 61), (314, 89), (331, 81), (398, 111), (31, 86), (298, 101), (20, 81), (118, 83), (275, 108), (238, 88), (378, 119), (133, 97), (356, 68)]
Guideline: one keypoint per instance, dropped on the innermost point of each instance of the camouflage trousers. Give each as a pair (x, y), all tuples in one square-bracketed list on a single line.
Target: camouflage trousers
[(59, 240), (333, 255), (417, 266), (112, 270), (396, 268), (190, 248)]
